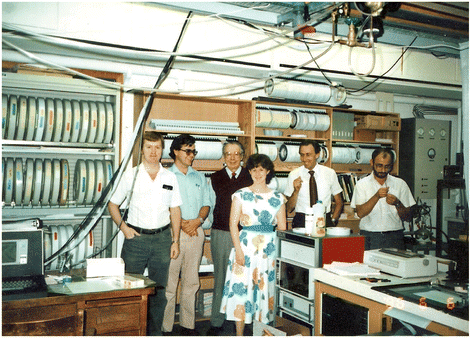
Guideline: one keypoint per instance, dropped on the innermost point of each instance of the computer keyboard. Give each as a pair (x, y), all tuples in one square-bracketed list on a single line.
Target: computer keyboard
[(18, 285)]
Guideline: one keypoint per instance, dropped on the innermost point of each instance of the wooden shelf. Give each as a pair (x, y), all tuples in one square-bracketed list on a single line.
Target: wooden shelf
[(192, 108)]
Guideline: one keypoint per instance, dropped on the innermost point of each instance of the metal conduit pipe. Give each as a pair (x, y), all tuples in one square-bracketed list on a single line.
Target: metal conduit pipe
[(421, 101), (135, 69)]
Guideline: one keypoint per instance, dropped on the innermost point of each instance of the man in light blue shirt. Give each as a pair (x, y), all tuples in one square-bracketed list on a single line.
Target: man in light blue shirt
[(195, 194)]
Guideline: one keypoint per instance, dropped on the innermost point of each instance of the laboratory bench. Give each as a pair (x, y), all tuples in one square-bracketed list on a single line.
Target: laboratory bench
[(85, 308), (367, 305)]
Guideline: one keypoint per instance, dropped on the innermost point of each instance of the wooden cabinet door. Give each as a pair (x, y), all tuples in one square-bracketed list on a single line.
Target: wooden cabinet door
[(115, 317), (48, 320)]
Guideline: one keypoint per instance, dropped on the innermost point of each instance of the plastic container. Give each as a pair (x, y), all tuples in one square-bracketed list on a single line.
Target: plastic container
[(309, 220), (318, 215)]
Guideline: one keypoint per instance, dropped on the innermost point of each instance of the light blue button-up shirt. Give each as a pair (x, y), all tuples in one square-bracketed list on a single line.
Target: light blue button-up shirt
[(194, 191)]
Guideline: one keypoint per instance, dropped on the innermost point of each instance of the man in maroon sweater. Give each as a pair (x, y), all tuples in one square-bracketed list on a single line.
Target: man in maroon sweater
[(224, 182)]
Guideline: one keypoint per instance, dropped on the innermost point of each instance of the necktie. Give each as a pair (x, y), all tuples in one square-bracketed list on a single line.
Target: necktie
[(312, 189), (233, 178)]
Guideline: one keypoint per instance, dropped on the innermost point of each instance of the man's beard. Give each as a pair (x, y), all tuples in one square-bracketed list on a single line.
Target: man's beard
[(380, 175)]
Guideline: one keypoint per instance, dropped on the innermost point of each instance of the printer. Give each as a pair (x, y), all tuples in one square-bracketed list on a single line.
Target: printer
[(405, 264)]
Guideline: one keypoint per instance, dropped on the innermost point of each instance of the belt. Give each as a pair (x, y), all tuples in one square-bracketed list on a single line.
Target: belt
[(380, 232), (149, 231)]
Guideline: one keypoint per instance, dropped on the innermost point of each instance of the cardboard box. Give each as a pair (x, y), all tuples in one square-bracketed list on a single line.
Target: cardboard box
[(283, 327), (366, 135), (369, 122), (378, 122), (392, 123)]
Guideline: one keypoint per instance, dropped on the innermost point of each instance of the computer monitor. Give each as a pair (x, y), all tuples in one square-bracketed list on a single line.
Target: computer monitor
[(22, 253)]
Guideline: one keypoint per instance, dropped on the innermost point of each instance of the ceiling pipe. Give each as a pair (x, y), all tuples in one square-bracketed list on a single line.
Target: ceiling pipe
[(424, 101), (125, 68)]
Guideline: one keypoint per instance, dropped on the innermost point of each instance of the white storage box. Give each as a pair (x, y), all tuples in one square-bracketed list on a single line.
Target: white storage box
[(105, 267)]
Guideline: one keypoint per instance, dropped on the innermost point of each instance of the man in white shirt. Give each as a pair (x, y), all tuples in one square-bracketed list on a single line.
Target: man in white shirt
[(152, 229), (298, 187), (382, 202)]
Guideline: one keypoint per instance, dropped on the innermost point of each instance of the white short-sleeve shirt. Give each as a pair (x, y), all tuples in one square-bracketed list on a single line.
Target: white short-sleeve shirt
[(151, 199), (383, 217), (327, 186)]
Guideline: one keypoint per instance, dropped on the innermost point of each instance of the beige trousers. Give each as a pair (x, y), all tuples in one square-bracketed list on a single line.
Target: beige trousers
[(188, 263)]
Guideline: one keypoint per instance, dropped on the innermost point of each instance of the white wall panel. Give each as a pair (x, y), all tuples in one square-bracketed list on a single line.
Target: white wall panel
[(427, 67)]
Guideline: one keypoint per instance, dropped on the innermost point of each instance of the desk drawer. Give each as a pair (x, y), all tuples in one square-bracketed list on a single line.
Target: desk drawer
[(38, 313), (114, 319)]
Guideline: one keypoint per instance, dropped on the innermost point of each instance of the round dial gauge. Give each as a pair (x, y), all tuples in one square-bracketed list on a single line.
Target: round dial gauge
[(420, 131), (431, 132), (431, 153)]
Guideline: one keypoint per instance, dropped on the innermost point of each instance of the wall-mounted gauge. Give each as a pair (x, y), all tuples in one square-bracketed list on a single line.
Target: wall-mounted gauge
[(432, 153)]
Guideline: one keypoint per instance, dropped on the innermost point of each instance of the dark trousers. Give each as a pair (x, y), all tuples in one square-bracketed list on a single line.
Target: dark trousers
[(153, 252), (299, 220), (221, 246), (383, 239)]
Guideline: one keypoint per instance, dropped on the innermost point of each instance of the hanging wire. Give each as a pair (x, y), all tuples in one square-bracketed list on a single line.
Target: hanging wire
[(314, 59), (373, 51), (87, 225), (382, 75)]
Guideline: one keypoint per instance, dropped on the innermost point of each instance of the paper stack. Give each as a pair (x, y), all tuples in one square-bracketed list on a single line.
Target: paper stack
[(351, 269)]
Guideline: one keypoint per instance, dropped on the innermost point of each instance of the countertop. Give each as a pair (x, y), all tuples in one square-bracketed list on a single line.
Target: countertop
[(363, 288)]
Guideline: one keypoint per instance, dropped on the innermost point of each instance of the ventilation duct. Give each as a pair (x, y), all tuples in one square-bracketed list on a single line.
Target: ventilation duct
[(420, 111)]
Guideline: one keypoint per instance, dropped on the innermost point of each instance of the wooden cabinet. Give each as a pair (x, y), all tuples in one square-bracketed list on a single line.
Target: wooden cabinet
[(368, 130), (347, 136), (257, 119), (122, 312)]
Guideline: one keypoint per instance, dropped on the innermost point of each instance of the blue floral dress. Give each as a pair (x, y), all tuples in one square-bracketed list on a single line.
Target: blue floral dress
[(249, 290)]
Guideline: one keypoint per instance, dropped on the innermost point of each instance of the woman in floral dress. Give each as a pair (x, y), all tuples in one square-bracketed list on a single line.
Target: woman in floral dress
[(250, 280)]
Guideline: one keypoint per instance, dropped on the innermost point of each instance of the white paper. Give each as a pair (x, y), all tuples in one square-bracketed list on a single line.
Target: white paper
[(351, 269)]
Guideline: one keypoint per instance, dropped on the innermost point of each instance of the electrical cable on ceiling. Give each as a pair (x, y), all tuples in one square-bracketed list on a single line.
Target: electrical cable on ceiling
[(382, 75), (322, 72), (135, 54), (37, 59), (86, 225), (273, 77), (152, 90)]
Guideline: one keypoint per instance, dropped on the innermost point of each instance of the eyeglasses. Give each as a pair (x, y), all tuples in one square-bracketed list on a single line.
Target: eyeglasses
[(190, 151), (236, 154)]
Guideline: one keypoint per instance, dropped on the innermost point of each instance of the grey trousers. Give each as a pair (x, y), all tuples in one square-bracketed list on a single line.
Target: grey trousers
[(153, 252), (221, 246)]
